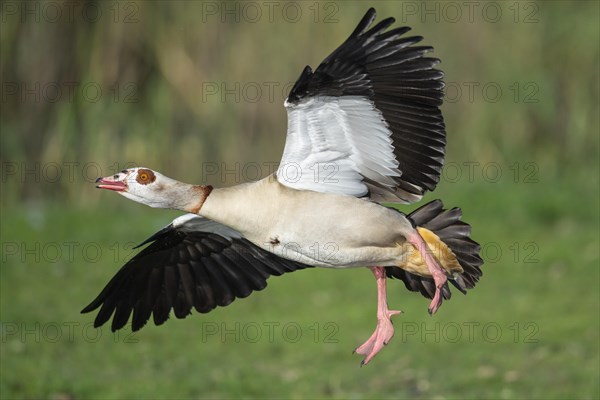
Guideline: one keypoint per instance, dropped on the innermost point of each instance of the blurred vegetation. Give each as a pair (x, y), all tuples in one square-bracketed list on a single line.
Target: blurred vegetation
[(164, 71), (187, 86)]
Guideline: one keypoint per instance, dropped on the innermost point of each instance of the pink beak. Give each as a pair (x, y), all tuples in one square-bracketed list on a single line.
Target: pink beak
[(111, 183)]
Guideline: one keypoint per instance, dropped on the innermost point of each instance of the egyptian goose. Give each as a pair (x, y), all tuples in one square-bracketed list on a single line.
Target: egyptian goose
[(364, 128)]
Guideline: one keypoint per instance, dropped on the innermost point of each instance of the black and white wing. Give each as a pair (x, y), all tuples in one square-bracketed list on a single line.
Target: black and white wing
[(193, 262), (367, 121)]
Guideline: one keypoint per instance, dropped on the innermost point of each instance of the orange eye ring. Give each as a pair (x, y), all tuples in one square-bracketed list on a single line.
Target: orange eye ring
[(145, 176)]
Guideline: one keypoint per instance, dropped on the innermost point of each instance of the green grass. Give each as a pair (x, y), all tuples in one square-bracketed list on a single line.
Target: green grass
[(541, 239), (528, 330)]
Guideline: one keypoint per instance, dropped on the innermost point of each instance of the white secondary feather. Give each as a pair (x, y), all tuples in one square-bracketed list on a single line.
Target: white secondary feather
[(333, 143)]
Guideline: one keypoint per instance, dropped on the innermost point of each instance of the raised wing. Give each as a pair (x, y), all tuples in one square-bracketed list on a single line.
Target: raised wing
[(367, 121), (193, 262)]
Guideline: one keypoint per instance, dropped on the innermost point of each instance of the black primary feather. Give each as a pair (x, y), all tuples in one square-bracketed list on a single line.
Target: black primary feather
[(179, 271), (404, 86)]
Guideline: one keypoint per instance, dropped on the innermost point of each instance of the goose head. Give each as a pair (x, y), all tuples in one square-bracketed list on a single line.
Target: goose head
[(156, 190)]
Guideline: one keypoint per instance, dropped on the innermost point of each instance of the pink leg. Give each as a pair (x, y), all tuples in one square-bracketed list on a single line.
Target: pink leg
[(385, 330), (439, 276)]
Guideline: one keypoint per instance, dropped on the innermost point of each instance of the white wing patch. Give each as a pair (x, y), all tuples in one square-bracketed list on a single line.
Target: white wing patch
[(196, 223), (333, 143)]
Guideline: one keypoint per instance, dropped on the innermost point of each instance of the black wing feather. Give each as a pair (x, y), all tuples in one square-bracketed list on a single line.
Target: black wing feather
[(184, 270), (395, 74)]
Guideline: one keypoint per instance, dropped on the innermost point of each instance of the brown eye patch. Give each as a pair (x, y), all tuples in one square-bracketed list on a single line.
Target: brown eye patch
[(145, 176)]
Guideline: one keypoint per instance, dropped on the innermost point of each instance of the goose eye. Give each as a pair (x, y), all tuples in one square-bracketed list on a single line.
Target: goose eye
[(145, 176)]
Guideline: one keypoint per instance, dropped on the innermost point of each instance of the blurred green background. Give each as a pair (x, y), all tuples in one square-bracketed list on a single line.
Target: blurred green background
[(195, 90)]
